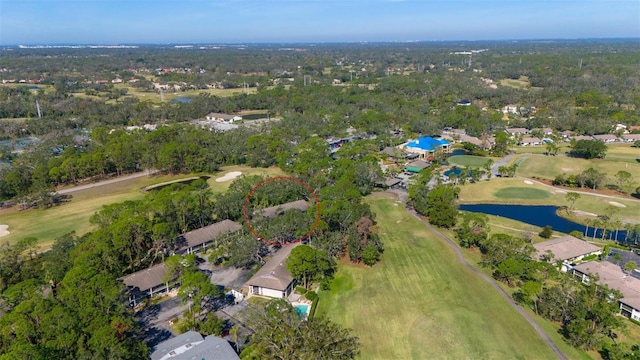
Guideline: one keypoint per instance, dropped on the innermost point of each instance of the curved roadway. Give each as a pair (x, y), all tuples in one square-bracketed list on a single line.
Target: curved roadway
[(488, 279)]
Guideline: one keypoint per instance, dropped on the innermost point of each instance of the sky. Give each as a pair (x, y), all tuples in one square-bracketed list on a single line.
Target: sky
[(29, 22)]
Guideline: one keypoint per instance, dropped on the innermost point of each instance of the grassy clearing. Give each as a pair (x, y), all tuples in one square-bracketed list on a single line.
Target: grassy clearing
[(168, 96), (521, 193), (549, 167), (467, 160), (485, 192), (48, 224), (521, 83), (417, 303)]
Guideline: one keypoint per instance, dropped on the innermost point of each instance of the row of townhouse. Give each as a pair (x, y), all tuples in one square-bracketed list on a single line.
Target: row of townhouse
[(569, 252), (153, 281)]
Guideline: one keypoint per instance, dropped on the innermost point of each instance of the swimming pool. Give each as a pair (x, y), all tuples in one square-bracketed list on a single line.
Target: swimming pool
[(302, 310)]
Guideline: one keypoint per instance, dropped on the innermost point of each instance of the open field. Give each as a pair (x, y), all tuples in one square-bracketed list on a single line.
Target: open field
[(47, 224), (170, 95), (467, 160), (550, 166), (521, 83), (490, 191), (417, 303)]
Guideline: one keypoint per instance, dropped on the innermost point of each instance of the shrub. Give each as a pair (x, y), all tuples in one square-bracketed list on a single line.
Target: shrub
[(546, 232), (311, 295), (300, 290), (370, 255), (577, 234)]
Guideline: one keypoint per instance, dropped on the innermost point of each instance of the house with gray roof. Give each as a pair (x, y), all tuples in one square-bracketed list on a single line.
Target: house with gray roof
[(146, 283), (273, 211), (606, 138), (611, 275), (567, 249), (198, 239), (192, 346), (273, 278)]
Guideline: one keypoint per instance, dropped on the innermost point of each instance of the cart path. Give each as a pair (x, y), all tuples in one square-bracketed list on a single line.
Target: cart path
[(488, 279), (107, 182)]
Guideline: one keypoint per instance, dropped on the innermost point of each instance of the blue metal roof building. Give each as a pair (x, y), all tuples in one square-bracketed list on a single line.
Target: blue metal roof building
[(427, 143)]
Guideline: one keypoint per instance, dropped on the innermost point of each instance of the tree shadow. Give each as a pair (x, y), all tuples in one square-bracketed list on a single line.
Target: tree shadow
[(154, 336)]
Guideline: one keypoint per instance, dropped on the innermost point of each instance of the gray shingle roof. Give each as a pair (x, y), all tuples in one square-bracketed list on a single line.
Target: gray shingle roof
[(208, 233), (192, 346), (274, 211), (274, 274), (611, 275), (147, 278), (565, 247)]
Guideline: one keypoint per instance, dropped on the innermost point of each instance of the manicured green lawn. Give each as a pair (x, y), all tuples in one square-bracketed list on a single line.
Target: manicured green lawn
[(219, 187), (48, 224), (467, 160), (487, 192), (550, 166), (521, 193), (420, 303)]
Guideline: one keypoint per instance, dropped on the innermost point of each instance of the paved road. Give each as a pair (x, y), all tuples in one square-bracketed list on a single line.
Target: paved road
[(491, 282), (496, 165), (106, 182)]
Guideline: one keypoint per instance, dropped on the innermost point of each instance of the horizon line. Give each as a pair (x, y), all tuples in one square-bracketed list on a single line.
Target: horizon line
[(240, 43)]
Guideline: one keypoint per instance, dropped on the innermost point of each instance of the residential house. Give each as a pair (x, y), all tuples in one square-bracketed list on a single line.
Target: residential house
[(630, 137), (567, 249), (223, 117), (390, 183), (582, 137), (611, 275), (426, 146), (529, 141), (191, 345), (566, 134), (273, 279), (199, 239), (510, 109), (273, 211), (606, 138), (513, 132), (146, 283)]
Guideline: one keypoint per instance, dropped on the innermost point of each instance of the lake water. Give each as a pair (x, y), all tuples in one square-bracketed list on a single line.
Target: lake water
[(538, 215)]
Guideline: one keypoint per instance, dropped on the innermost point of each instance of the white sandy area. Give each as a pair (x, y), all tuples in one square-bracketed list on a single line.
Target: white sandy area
[(560, 192), (528, 182), (4, 230), (229, 176), (614, 203), (580, 212)]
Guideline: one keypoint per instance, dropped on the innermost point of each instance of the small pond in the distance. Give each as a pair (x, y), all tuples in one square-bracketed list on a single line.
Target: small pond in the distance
[(457, 152), (183, 100), (538, 215)]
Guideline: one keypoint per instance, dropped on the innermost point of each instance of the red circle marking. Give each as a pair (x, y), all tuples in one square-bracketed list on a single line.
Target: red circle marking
[(267, 241)]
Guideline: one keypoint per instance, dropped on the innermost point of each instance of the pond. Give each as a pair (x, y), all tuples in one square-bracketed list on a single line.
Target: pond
[(456, 171), (539, 215), (457, 152), (184, 100)]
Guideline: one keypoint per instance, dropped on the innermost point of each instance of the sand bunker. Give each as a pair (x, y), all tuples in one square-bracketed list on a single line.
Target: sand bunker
[(229, 176), (4, 230), (617, 204), (528, 182), (560, 192), (580, 212)]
